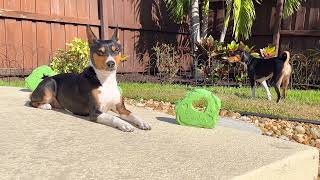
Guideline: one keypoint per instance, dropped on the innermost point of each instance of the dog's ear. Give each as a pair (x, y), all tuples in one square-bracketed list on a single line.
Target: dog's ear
[(115, 36), (91, 37)]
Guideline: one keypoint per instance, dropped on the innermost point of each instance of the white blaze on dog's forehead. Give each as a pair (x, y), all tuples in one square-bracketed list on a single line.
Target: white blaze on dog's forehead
[(110, 58)]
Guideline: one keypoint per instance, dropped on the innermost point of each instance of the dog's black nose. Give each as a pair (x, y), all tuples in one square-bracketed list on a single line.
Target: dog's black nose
[(110, 64)]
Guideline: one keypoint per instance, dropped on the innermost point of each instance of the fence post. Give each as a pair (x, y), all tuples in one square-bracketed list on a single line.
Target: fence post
[(103, 18)]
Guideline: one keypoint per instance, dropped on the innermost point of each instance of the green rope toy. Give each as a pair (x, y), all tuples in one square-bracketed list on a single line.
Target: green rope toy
[(188, 116), (37, 75)]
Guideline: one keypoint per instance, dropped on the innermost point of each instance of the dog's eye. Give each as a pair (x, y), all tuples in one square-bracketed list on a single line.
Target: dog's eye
[(115, 49), (101, 51)]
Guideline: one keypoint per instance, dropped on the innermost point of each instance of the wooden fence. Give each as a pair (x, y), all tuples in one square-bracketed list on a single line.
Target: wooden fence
[(32, 30)]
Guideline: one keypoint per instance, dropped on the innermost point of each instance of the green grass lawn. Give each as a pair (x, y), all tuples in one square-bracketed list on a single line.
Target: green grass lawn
[(299, 103), (19, 83)]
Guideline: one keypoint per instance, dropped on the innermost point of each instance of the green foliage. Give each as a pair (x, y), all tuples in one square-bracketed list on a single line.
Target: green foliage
[(168, 60), (228, 13), (205, 7), (74, 59), (245, 47), (243, 16), (290, 6), (211, 47), (233, 46), (268, 52), (179, 9)]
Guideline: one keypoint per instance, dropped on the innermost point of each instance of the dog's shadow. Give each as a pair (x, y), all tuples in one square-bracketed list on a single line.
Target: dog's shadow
[(25, 90), (167, 120), (86, 118)]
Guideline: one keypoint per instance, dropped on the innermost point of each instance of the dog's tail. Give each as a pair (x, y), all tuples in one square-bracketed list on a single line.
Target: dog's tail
[(286, 56)]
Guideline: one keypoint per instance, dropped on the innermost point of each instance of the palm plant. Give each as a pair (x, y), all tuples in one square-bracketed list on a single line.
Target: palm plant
[(291, 6), (179, 9), (243, 15)]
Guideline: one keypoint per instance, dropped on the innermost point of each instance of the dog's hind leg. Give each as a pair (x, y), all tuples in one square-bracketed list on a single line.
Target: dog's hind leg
[(285, 84), (287, 70), (43, 97), (265, 85), (128, 116), (277, 85)]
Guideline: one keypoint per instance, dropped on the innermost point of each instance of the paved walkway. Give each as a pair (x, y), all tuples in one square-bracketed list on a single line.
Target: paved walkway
[(44, 144)]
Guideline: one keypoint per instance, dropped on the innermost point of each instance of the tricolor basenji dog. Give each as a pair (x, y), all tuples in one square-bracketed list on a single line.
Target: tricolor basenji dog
[(260, 70), (94, 91)]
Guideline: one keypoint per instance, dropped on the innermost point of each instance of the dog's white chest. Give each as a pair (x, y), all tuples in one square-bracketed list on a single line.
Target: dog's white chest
[(109, 96)]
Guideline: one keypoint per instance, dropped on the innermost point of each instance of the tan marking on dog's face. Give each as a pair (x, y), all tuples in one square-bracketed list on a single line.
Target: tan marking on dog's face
[(117, 58), (235, 58), (113, 48), (99, 61)]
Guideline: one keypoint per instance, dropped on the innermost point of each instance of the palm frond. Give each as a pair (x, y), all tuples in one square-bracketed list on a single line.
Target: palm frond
[(244, 15), (206, 5), (228, 13), (290, 6), (178, 9)]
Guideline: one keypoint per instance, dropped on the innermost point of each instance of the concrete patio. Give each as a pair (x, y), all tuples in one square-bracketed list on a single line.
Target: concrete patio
[(40, 144)]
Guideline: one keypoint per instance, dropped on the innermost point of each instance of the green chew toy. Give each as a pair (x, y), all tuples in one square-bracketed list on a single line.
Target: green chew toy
[(33, 80), (187, 115)]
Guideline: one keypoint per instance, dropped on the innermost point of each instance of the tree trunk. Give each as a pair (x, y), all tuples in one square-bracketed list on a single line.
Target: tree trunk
[(226, 22), (204, 19), (277, 24), (195, 21), (195, 33)]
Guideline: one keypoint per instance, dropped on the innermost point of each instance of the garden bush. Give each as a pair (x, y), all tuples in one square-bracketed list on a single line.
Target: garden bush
[(72, 60), (168, 60)]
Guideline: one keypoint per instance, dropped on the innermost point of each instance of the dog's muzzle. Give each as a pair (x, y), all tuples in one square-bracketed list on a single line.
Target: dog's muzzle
[(111, 64)]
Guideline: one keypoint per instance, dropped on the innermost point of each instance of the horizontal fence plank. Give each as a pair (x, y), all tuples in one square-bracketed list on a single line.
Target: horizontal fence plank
[(313, 33), (136, 28), (47, 18), (7, 72)]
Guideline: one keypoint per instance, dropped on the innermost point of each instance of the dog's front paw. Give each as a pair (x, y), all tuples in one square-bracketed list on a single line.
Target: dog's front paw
[(45, 106), (143, 125), (126, 127)]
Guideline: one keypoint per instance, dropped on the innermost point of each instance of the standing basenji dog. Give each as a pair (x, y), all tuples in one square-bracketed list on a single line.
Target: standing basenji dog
[(94, 91), (260, 70)]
